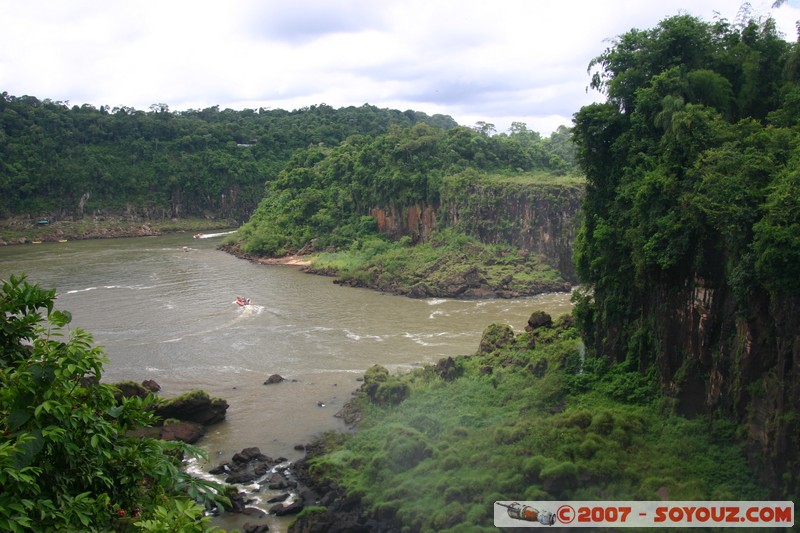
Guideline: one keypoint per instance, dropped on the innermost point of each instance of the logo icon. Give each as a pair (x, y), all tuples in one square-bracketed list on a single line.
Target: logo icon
[(527, 513)]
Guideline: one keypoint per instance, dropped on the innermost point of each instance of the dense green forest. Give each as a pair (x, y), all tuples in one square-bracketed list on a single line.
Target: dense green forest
[(57, 160), (691, 241), (68, 461), (62, 161)]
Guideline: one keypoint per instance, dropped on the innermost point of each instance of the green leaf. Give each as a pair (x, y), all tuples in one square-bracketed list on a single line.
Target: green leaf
[(60, 318), (18, 417)]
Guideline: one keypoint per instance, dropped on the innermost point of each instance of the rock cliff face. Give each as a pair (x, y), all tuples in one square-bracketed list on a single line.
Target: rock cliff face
[(714, 356), (540, 219), (416, 221)]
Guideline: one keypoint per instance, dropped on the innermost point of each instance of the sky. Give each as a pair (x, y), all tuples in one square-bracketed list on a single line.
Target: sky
[(498, 61)]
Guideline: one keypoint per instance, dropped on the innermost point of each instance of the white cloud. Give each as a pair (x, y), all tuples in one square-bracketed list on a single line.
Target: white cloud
[(501, 61)]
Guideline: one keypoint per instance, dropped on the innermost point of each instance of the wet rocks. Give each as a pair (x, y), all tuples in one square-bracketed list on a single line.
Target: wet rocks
[(194, 406), (189, 432), (250, 465), (274, 378), (151, 385)]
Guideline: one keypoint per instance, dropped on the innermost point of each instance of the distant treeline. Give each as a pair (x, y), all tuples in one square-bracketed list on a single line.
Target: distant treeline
[(62, 161)]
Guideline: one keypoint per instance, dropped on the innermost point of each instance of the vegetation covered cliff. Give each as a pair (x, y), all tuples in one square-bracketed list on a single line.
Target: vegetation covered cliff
[(691, 238), (512, 189)]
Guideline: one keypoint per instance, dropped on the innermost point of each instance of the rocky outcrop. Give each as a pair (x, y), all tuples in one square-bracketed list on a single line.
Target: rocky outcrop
[(713, 355), (250, 467), (274, 378), (183, 418), (339, 512), (539, 218), (189, 432), (194, 406), (416, 221)]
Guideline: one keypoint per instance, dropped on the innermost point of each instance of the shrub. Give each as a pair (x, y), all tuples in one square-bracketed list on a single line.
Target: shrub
[(391, 392), (66, 460), (559, 477)]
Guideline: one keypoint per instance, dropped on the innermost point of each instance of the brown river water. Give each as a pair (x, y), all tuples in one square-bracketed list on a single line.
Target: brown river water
[(163, 308)]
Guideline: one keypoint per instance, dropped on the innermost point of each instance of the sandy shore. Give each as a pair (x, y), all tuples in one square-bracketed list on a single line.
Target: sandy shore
[(294, 260)]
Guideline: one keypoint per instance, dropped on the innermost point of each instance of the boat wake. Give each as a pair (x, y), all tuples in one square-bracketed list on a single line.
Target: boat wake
[(212, 235), (244, 312)]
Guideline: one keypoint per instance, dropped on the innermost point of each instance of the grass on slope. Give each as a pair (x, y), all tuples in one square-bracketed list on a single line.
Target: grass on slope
[(439, 445)]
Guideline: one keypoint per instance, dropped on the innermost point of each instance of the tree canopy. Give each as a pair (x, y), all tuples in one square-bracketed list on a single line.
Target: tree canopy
[(57, 160), (691, 168)]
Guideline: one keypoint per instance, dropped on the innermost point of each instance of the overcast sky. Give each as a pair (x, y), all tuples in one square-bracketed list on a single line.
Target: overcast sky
[(496, 61)]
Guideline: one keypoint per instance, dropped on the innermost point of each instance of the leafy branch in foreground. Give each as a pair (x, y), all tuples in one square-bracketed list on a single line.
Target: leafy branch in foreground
[(67, 461)]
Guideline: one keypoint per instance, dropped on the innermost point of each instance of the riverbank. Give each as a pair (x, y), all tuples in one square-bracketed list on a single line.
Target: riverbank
[(27, 230), (448, 265), (524, 418)]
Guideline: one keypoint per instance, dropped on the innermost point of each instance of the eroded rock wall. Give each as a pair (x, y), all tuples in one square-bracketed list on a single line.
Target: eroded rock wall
[(713, 355), (540, 219)]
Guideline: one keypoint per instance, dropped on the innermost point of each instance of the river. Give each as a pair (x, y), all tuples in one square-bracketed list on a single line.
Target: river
[(163, 308)]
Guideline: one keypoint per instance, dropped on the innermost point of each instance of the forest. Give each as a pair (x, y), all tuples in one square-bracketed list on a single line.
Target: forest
[(58, 161)]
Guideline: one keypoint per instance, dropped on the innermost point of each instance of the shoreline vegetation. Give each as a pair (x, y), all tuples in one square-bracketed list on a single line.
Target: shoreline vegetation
[(26, 230), (448, 265)]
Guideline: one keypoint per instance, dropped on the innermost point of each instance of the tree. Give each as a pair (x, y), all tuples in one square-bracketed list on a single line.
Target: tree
[(67, 462)]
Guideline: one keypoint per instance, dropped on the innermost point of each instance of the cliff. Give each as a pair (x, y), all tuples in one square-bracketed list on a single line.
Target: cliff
[(538, 217), (745, 364)]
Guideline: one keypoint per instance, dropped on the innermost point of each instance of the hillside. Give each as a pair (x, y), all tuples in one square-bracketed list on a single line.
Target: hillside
[(523, 418)]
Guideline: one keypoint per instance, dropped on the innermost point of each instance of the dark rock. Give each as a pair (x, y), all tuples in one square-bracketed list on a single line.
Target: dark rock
[(302, 447), (350, 413), (280, 509), (247, 466), (279, 482), (151, 385), (279, 498), (274, 378), (250, 454), (419, 290), (446, 367), (253, 511), (189, 432), (246, 474), (130, 389), (221, 469), (539, 319), (195, 406), (254, 528)]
